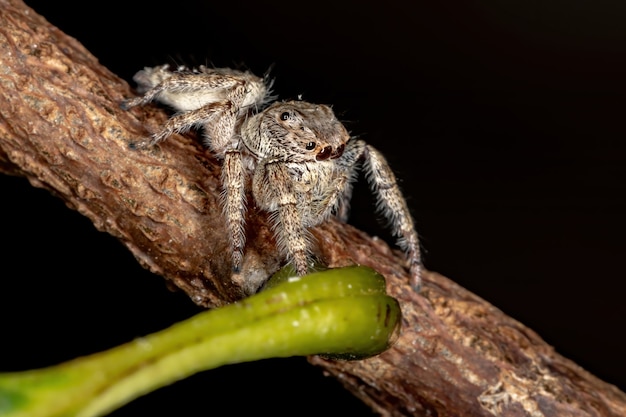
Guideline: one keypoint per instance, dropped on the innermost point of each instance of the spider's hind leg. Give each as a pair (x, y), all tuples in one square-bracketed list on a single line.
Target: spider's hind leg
[(181, 123), (214, 98)]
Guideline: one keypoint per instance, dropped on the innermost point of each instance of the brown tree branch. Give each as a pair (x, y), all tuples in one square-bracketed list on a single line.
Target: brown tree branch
[(61, 127)]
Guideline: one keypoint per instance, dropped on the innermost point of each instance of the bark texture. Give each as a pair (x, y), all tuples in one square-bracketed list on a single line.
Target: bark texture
[(62, 128)]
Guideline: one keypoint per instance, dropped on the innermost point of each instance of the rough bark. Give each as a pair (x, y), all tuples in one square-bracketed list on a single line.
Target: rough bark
[(62, 128)]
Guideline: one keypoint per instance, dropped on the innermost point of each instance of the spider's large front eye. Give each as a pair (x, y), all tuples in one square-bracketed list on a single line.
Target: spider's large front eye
[(324, 154), (310, 146), (285, 115)]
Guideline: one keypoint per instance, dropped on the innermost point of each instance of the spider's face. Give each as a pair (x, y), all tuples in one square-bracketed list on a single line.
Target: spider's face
[(305, 131)]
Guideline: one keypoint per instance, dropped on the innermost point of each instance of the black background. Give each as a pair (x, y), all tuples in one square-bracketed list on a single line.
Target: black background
[(504, 121)]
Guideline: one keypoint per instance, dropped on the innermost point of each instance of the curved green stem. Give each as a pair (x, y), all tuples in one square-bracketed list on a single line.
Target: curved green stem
[(342, 312)]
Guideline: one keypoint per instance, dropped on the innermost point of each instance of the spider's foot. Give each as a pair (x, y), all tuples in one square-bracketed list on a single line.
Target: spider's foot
[(416, 277), (237, 258), (151, 141), (302, 269), (130, 103), (141, 144)]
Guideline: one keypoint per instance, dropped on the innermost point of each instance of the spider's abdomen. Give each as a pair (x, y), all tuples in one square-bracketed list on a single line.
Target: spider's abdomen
[(189, 90)]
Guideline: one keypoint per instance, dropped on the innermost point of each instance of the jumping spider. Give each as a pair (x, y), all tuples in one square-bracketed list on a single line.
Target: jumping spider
[(299, 156)]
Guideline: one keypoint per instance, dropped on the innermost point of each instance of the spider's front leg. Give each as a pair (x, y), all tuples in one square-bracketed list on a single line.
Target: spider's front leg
[(391, 203), (274, 191)]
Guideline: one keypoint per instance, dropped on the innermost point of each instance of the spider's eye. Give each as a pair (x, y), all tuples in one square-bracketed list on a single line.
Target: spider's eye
[(285, 116), (310, 146), (324, 154)]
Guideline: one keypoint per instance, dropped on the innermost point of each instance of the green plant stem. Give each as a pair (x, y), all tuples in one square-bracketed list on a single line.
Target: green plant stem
[(341, 312)]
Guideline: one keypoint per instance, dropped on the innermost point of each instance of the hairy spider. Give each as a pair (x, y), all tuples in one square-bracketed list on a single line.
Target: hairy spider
[(299, 157)]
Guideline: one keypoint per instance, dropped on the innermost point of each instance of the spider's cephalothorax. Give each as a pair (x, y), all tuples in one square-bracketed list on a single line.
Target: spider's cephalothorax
[(299, 156)]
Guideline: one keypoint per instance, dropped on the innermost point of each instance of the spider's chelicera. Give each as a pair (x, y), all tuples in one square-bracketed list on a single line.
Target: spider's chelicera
[(299, 157)]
